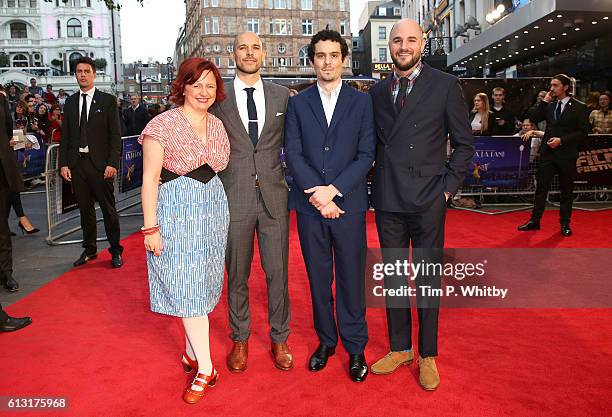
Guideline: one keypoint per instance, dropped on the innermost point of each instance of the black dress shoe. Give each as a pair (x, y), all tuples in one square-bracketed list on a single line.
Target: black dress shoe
[(13, 323), (318, 360), (11, 285), (530, 225), (358, 368), (116, 261), (565, 229), (84, 258)]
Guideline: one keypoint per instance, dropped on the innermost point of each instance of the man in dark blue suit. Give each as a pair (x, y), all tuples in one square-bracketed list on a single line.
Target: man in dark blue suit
[(330, 145), (416, 111)]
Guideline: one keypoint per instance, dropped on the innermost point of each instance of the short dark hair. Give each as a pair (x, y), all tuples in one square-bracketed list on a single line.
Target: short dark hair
[(32, 79), (327, 35), (49, 85), (86, 60)]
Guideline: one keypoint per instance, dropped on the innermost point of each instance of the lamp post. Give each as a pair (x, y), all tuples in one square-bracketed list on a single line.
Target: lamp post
[(170, 71)]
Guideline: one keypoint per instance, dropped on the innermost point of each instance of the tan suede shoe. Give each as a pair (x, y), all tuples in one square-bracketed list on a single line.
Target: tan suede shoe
[(428, 373), (391, 361)]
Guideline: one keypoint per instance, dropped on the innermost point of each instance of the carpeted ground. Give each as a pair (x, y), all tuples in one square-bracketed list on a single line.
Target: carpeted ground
[(95, 342)]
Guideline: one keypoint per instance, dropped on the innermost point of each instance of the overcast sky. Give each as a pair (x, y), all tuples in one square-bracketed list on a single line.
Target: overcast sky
[(151, 31)]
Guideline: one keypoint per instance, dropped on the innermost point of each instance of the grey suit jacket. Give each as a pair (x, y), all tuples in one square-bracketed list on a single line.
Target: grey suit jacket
[(248, 162)]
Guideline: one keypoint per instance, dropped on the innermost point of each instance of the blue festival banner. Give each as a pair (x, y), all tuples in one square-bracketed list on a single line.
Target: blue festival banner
[(131, 164), (499, 161), (32, 161)]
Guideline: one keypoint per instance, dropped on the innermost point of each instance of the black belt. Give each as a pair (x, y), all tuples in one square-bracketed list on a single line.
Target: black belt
[(203, 174)]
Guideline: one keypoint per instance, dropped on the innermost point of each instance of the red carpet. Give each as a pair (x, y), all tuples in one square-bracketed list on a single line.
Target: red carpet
[(95, 342)]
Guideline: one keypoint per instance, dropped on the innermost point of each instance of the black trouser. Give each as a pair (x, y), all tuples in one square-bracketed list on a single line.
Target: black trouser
[(15, 199), (547, 167), (6, 249), (425, 231), (90, 186)]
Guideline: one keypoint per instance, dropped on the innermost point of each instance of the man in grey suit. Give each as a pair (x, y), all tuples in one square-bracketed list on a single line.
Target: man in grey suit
[(254, 118)]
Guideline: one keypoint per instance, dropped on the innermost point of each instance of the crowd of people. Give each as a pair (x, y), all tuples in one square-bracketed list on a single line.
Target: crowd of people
[(215, 156)]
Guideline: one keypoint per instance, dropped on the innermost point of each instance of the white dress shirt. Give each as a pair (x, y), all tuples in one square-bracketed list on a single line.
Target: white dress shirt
[(329, 100), (258, 98), (563, 104), (90, 95)]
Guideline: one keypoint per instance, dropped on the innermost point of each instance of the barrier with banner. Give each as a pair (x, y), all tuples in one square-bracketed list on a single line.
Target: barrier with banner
[(131, 164), (32, 161)]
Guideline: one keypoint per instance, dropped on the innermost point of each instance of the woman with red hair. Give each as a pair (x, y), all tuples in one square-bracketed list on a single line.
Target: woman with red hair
[(186, 218)]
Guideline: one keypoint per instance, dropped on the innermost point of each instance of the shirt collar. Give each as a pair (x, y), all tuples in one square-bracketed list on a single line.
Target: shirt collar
[(89, 92), (239, 85), (565, 100), (334, 93), (413, 74)]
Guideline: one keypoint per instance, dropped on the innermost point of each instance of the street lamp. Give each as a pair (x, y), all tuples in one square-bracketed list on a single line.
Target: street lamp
[(170, 71)]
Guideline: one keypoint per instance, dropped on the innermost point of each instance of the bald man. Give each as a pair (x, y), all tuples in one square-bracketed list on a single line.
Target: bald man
[(415, 111), (254, 117)]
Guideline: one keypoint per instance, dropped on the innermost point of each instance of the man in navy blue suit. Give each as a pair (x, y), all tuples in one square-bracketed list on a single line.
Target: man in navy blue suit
[(330, 146)]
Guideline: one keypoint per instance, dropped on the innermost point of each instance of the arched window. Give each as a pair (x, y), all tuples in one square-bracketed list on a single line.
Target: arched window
[(19, 30), (89, 29), (304, 56), (21, 60), (73, 59), (74, 28)]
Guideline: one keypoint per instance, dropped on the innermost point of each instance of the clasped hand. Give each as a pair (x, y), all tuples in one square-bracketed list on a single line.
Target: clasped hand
[(153, 243), (322, 200)]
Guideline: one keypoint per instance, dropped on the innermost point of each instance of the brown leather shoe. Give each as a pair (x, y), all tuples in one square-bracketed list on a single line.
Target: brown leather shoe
[(237, 359), (428, 373), (283, 359), (391, 361)]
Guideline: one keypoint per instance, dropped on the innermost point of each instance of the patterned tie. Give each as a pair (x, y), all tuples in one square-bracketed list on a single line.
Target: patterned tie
[(558, 110), (401, 95), (83, 123), (252, 110)]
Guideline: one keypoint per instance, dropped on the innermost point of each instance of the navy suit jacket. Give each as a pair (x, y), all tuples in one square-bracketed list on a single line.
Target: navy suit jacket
[(341, 154)]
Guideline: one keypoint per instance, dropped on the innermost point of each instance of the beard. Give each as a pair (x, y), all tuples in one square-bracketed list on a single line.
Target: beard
[(416, 57)]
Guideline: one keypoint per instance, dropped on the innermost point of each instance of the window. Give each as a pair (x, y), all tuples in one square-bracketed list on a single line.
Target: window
[(74, 28), (356, 65), (20, 60), (306, 4), (355, 44), (253, 25), (215, 21), (342, 5), (231, 63), (217, 61), (382, 32), (19, 30), (307, 27), (204, 3), (397, 11), (214, 3), (280, 27), (88, 3), (279, 4), (206, 25), (343, 28), (304, 56), (89, 29), (382, 11), (252, 4), (230, 47), (382, 54), (74, 57), (21, 3), (32, 4), (59, 29)]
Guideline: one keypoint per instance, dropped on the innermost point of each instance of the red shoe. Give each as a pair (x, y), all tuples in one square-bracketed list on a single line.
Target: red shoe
[(192, 396), (188, 363)]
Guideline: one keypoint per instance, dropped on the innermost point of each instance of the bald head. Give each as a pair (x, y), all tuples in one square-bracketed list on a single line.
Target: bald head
[(406, 44), (406, 26), (247, 38)]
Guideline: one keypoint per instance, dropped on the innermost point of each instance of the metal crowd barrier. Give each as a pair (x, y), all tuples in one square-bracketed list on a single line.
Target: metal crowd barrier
[(502, 200), (62, 224)]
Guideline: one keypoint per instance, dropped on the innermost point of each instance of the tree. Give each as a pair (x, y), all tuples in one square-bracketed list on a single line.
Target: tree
[(100, 63), (111, 4), (4, 60)]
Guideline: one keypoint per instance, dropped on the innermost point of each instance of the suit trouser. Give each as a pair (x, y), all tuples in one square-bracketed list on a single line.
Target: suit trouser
[(90, 186), (425, 231), (273, 242), (547, 167), (6, 248), (342, 242), (3, 315)]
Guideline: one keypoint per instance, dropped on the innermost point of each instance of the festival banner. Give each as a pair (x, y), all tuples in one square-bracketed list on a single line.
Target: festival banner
[(499, 161), (32, 161), (594, 163), (131, 164)]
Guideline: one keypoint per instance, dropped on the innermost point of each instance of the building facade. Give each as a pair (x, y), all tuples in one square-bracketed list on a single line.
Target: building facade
[(375, 35), (151, 81), (285, 27), (44, 39)]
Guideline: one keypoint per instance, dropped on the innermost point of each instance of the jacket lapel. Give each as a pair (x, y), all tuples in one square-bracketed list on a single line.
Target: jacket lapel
[(230, 108), (385, 96), (342, 104), (314, 100), (270, 115), (421, 86)]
